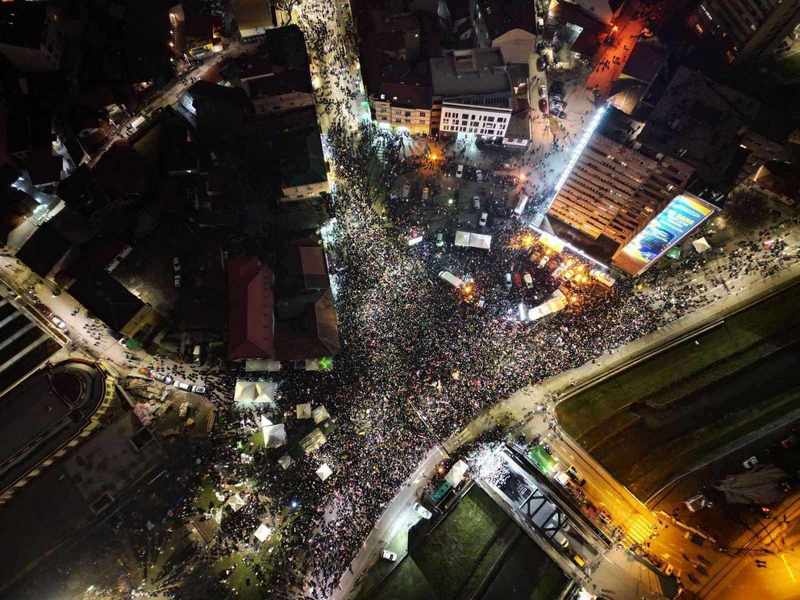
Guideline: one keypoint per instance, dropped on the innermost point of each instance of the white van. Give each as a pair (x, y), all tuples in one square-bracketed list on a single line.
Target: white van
[(460, 171), (521, 204), (451, 279)]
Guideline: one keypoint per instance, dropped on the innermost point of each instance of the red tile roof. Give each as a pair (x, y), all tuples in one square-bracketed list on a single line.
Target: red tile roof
[(251, 301)]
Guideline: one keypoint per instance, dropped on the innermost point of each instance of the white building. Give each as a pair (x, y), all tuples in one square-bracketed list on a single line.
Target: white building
[(474, 91)]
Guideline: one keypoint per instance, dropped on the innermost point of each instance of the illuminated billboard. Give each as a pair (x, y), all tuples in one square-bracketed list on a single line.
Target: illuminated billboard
[(670, 226)]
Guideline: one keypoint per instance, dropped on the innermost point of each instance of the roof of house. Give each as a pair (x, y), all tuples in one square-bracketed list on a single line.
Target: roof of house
[(313, 334), (291, 80), (107, 298), (301, 158), (468, 72), (22, 23), (43, 250), (645, 61), (410, 95), (501, 16), (250, 309)]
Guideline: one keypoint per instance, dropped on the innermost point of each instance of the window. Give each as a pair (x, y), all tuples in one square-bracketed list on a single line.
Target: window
[(490, 118), (408, 113), (422, 113)]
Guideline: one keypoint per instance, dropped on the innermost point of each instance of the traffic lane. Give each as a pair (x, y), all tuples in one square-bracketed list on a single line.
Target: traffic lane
[(604, 492)]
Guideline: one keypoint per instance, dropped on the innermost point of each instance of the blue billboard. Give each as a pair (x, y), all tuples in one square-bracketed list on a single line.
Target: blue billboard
[(670, 226)]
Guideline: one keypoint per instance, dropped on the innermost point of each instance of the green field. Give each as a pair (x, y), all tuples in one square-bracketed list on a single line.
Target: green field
[(673, 410), (476, 549)]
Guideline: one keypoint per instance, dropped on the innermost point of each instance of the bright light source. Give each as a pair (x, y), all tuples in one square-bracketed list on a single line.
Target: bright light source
[(578, 150)]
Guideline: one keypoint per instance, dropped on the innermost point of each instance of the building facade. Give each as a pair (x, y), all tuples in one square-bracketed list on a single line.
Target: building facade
[(617, 186), (405, 107), (473, 90), (30, 36), (483, 121), (751, 28)]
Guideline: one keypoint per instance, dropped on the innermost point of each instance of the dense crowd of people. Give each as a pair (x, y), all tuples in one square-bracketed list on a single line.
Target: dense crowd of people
[(416, 364)]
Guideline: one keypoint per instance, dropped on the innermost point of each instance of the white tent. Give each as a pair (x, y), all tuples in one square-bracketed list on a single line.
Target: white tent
[(303, 411), (465, 239), (321, 414), (262, 533), (285, 461), (324, 471), (274, 436), (236, 502), (249, 394), (701, 245)]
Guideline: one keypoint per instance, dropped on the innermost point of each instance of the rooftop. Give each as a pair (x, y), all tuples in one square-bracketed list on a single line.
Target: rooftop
[(410, 95), (250, 309), (22, 23), (470, 72)]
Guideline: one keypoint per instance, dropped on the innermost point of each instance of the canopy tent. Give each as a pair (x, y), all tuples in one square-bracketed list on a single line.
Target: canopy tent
[(249, 394)]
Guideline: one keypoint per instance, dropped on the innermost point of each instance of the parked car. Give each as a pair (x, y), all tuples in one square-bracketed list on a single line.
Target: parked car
[(406, 191), (575, 476), (696, 503), (198, 389), (750, 462), (476, 202), (389, 555), (479, 175), (460, 171), (694, 538), (543, 105), (58, 322), (422, 511), (182, 385), (426, 193), (517, 280), (508, 281), (167, 379), (484, 218)]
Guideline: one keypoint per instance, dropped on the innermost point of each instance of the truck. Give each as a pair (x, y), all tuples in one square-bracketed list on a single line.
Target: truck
[(447, 276)]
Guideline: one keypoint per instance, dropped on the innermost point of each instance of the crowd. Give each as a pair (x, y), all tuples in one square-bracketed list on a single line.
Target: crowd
[(415, 366)]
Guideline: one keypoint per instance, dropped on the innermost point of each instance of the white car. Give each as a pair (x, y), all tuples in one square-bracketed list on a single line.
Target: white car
[(508, 281), (58, 322), (476, 202), (460, 171), (181, 385), (198, 389), (422, 511), (426, 193), (479, 175), (750, 462), (389, 555), (484, 218)]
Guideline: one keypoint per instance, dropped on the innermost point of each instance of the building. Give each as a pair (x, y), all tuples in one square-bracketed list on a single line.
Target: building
[(254, 18), (617, 185), (750, 29), (699, 121), (251, 300), (407, 106), (474, 91), (779, 181), (30, 36), (278, 90), (494, 19), (604, 11)]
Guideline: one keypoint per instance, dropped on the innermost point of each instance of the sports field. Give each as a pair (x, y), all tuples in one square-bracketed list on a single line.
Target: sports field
[(652, 421)]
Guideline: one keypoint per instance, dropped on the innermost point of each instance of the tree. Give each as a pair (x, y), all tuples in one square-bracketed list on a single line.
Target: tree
[(747, 207)]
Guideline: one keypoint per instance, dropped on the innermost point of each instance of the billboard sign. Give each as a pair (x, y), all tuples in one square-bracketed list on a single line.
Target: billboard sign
[(670, 226)]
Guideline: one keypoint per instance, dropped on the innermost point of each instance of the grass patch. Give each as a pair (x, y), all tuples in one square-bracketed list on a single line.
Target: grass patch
[(655, 469), (451, 553), (658, 376)]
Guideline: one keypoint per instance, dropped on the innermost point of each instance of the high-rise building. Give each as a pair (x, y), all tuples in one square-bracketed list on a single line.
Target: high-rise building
[(617, 185), (751, 28)]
